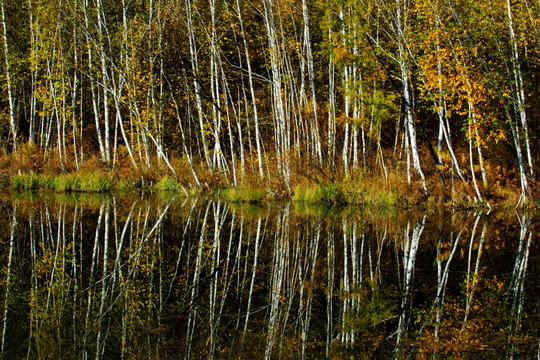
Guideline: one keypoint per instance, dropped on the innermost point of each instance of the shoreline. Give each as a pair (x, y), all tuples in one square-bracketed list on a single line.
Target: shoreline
[(361, 191)]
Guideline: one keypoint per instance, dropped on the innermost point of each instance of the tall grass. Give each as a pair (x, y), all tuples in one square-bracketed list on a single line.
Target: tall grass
[(317, 194), (356, 191), (30, 181), (85, 182), (167, 184), (310, 194), (95, 182), (358, 187), (241, 194)]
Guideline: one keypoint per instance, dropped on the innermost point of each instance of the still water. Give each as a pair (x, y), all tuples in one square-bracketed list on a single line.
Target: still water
[(151, 277)]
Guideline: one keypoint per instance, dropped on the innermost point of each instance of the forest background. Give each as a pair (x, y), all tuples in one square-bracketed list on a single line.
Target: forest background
[(333, 100)]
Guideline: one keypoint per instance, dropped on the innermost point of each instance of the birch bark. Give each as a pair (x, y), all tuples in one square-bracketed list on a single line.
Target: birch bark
[(12, 123)]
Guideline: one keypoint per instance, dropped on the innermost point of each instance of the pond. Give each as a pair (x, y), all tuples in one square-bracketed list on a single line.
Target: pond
[(158, 277)]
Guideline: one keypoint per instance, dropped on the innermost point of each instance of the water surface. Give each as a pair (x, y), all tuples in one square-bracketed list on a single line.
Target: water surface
[(154, 277)]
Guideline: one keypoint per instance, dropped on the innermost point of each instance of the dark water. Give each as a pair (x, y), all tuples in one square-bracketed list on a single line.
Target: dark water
[(86, 277)]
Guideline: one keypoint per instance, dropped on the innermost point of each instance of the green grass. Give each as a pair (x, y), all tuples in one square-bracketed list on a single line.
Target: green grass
[(307, 194), (98, 182), (358, 191), (345, 194), (239, 194), (167, 184), (85, 182), (30, 181), (68, 182), (331, 194)]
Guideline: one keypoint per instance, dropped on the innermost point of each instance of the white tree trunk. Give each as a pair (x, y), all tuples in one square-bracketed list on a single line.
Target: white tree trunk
[(407, 94), (281, 128), (12, 123)]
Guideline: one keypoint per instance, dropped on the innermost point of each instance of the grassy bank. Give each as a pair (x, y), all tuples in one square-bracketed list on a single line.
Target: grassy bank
[(84, 182), (357, 191), (29, 171)]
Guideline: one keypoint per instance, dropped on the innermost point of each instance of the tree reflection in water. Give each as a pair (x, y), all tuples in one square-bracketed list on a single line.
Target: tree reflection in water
[(192, 278)]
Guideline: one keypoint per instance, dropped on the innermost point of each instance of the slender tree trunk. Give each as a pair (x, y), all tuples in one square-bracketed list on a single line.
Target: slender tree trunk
[(218, 158), (33, 76), (182, 133), (104, 79), (519, 96), (252, 92), (311, 77), (444, 128), (332, 106), (400, 30), (281, 128), (95, 96), (411, 126), (470, 136), (196, 86), (11, 99), (74, 92)]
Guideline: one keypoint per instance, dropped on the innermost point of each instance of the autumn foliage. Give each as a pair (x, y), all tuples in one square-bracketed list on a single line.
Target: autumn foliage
[(276, 94)]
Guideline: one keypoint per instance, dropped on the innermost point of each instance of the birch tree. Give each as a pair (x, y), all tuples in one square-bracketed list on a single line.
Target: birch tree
[(8, 74), (281, 127)]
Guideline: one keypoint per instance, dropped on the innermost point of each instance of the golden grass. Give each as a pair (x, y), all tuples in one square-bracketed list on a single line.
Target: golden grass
[(309, 182)]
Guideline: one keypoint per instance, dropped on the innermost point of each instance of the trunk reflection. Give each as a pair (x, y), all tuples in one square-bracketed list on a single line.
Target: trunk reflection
[(153, 278)]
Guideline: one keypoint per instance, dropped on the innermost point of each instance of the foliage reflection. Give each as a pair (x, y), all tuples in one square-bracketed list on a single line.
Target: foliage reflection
[(157, 278)]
